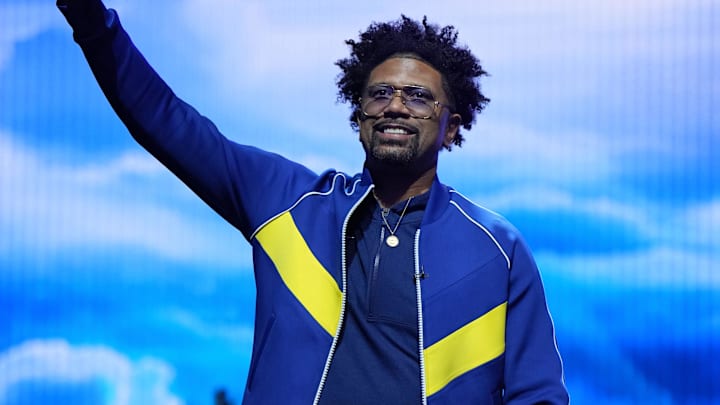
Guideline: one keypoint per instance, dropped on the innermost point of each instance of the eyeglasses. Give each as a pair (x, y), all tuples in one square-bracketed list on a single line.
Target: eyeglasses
[(418, 100)]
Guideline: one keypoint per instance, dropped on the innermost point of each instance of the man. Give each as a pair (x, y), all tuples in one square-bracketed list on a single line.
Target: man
[(386, 287)]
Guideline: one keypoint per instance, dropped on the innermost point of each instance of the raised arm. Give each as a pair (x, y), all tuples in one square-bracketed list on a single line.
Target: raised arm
[(227, 176)]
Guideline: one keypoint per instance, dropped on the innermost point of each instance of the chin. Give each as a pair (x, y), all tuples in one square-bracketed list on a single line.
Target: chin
[(395, 157), (395, 154)]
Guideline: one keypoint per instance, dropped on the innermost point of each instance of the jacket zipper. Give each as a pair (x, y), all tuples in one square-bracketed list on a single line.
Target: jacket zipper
[(419, 276), (343, 252)]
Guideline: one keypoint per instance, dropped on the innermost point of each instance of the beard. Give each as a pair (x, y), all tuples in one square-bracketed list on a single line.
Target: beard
[(393, 152)]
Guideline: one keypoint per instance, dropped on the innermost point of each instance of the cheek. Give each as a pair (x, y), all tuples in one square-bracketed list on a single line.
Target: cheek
[(435, 135), (365, 130), (444, 130)]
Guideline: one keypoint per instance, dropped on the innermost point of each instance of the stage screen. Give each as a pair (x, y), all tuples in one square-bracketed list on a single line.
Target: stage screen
[(601, 144)]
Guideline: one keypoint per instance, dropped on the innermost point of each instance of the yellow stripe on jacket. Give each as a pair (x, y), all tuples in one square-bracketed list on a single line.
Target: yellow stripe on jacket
[(301, 272), (471, 346)]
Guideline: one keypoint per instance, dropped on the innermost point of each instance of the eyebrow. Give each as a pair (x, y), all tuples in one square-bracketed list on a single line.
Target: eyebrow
[(398, 86), (417, 86)]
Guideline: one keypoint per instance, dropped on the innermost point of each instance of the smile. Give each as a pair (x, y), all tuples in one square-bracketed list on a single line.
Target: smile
[(394, 129), (397, 131)]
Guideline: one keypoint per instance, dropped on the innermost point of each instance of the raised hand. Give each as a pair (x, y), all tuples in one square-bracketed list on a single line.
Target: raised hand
[(86, 17)]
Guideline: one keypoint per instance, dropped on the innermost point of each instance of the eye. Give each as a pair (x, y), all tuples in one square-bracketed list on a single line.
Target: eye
[(381, 92), (418, 94)]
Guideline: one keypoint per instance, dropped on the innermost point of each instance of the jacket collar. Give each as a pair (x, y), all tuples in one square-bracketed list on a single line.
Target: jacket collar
[(437, 204)]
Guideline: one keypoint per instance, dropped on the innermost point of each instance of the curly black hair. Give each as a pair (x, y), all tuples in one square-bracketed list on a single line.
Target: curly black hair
[(459, 68)]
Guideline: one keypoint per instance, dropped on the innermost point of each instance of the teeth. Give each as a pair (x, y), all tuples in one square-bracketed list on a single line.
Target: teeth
[(397, 131)]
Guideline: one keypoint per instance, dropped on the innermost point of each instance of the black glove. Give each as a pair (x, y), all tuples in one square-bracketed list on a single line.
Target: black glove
[(86, 17)]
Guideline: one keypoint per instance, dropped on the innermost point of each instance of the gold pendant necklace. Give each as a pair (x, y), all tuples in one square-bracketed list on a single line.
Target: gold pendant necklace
[(393, 240)]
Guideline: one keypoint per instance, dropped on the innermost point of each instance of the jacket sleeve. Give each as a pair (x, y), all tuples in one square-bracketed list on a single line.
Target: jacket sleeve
[(233, 179), (533, 369)]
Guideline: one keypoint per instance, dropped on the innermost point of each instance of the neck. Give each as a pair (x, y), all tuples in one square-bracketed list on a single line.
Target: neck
[(393, 186)]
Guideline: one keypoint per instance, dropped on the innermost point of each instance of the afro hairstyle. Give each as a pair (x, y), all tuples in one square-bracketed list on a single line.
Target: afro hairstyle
[(459, 68)]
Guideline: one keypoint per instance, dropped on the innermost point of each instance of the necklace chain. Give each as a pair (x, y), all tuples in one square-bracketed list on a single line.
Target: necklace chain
[(384, 213)]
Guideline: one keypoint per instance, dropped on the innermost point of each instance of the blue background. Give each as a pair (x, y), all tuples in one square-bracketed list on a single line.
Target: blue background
[(118, 286)]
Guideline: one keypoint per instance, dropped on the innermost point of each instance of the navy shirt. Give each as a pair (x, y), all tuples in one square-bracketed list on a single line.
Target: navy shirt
[(377, 357)]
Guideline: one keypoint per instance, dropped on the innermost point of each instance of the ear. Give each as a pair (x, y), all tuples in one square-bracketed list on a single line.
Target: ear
[(453, 125), (358, 122), (359, 118)]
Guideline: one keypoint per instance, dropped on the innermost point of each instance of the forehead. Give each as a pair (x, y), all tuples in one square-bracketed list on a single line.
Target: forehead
[(405, 71)]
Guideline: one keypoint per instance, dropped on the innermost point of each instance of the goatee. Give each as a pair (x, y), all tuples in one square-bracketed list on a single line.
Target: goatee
[(393, 152)]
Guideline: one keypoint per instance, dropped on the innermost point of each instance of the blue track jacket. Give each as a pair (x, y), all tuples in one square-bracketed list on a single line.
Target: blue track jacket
[(486, 336)]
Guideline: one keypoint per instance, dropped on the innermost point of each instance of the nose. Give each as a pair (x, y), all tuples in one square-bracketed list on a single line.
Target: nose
[(397, 103)]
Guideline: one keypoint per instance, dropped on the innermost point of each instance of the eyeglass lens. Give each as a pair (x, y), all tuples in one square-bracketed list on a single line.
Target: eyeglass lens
[(418, 100)]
